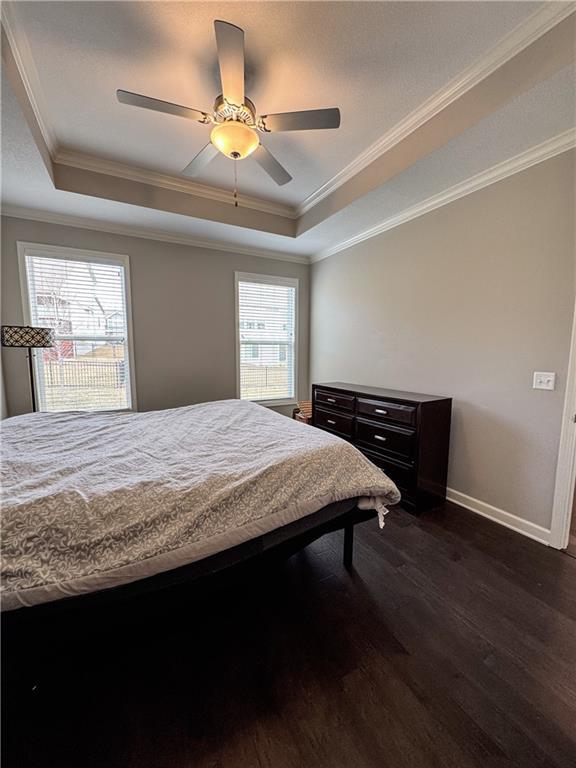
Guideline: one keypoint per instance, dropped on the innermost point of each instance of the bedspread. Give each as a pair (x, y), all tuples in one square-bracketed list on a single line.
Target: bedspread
[(93, 500)]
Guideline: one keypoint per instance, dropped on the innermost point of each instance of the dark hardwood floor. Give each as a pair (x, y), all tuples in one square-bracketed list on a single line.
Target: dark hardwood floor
[(452, 644)]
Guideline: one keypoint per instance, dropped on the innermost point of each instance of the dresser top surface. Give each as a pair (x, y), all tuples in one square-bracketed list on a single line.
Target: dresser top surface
[(393, 394)]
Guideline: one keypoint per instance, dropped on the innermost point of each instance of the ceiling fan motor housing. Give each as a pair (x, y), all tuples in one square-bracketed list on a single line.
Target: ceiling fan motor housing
[(224, 110)]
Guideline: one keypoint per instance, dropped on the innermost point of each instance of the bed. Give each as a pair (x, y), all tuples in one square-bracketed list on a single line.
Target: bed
[(93, 502)]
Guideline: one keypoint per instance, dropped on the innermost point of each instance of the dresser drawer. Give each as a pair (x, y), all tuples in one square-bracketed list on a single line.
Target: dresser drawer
[(379, 409), (334, 400), (335, 422), (386, 438), (401, 474)]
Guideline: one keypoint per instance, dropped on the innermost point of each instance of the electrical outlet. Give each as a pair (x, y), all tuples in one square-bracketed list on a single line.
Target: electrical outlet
[(544, 380)]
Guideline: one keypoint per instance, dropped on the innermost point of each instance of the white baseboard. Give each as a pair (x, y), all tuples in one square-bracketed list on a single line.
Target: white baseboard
[(517, 524)]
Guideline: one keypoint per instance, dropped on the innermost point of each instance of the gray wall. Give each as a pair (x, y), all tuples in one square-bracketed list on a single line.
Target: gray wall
[(466, 301), (182, 311), (3, 407)]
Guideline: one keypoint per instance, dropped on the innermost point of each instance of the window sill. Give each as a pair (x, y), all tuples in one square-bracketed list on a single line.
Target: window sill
[(90, 410), (275, 403)]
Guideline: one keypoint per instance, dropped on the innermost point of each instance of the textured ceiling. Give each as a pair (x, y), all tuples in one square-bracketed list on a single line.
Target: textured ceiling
[(377, 61)]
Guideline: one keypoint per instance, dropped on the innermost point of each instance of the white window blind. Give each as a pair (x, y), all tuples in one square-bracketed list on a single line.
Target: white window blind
[(84, 300), (266, 339)]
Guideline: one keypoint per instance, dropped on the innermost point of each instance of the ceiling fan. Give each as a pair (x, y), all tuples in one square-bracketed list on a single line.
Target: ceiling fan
[(236, 124)]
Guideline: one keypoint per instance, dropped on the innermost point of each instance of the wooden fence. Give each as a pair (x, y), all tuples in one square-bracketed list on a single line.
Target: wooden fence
[(96, 374)]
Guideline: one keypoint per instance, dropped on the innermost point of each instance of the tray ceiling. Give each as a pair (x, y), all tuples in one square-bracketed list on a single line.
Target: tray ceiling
[(391, 58), (377, 64)]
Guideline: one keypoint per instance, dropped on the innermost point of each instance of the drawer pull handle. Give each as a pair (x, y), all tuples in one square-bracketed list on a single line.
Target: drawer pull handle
[(330, 421), (379, 410), (379, 437), (330, 400)]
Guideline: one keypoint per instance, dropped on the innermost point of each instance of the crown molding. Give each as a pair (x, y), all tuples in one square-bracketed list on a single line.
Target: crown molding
[(540, 22), (81, 222), (166, 181), (28, 73), (537, 154)]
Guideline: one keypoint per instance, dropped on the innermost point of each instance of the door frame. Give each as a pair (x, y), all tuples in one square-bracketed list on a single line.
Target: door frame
[(566, 466)]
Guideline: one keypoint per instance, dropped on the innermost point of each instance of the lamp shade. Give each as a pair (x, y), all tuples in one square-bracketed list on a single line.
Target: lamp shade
[(27, 336)]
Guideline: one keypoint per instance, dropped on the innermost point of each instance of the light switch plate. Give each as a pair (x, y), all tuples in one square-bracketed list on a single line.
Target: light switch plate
[(544, 380)]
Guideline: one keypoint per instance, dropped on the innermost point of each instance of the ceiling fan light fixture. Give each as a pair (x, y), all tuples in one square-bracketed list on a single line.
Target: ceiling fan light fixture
[(234, 139)]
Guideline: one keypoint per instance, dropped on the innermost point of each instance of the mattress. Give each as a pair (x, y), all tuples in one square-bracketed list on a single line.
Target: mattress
[(94, 500)]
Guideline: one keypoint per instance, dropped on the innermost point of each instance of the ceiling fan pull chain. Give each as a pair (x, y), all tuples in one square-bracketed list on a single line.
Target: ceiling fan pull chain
[(235, 183)]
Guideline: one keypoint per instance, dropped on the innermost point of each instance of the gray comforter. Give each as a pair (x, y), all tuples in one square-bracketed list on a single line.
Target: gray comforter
[(93, 500)]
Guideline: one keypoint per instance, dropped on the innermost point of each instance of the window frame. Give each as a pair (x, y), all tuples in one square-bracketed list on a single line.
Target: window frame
[(291, 282), (67, 253)]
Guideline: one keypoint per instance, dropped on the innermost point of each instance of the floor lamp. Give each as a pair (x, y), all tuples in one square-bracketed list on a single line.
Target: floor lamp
[(24, 336)]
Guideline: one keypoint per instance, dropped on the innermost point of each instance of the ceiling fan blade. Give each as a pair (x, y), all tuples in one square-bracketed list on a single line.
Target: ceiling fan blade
[(137, 100), (308, 120), (268, 162), (201, 160), (230, 46)]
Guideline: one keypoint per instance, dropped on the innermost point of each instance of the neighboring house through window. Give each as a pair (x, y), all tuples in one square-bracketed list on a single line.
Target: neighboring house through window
[(84, 297), (266, 309)]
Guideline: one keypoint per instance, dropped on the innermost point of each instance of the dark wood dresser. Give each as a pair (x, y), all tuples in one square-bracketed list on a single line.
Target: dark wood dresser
[(404, 433)]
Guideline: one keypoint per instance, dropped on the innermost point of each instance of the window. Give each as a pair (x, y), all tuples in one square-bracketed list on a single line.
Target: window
[(83, 295), (266, 337)]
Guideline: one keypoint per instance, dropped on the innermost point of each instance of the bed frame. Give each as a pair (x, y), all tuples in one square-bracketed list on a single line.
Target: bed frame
[(279, 543)]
